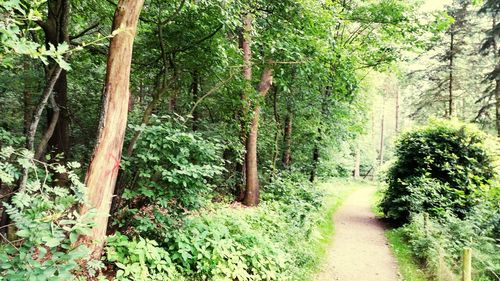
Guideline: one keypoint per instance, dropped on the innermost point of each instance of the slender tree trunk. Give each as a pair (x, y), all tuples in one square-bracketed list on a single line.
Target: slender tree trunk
[(50, 129), (252, 176), (195, 89), (245, 45), (324, 114), (59, 139), (28, 111), (287, 139), (146, 116), (382, 136), (37, 114), (450, 85), (497, 78), (374, 145), (357, 163), (103, 169), (277, 132), (397, 110), (497, 104), (315, 158), (172, 102)]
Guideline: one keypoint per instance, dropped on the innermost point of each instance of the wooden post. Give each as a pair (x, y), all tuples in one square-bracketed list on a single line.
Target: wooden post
[(467, 265)]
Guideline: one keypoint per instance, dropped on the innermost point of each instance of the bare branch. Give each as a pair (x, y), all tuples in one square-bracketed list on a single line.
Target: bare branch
[(85, 31)]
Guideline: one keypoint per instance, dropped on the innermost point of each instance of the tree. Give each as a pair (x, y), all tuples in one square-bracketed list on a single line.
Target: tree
[(56, 32), (103, 169), (252, 175), (490, 44)]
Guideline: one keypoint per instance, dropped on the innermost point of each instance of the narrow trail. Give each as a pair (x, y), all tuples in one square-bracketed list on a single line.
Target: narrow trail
[(359, 251)]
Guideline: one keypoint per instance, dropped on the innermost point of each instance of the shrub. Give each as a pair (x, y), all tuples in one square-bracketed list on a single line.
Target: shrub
[(225, 245), (46, 222), (442, 167), (171, 172), (140, 259), (290, 188)]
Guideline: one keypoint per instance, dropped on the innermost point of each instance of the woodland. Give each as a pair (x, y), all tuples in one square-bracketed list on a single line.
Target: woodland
[(192, 139)]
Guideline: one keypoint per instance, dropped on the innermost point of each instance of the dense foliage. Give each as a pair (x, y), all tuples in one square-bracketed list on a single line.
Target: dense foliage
[(45, 222), (223, 242), (443, 185), (443, 167), (439, 243), (172, 169), (203, 128)]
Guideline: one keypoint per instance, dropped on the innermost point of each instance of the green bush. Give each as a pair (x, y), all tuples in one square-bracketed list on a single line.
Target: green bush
[(171, 171), (140, 259), (172, 163), (45, 220), (290, 188), (442, 167)]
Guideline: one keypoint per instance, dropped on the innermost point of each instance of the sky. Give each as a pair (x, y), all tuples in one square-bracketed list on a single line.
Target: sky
[(433, 5)]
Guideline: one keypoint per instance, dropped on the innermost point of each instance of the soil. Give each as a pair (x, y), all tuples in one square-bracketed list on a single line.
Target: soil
[(359, 251)]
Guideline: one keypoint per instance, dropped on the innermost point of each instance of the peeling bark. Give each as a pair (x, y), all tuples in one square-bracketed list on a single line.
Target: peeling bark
[(105, 162)]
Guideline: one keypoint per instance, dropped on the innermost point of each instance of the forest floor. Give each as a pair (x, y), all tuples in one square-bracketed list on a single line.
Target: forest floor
[(359, 250)]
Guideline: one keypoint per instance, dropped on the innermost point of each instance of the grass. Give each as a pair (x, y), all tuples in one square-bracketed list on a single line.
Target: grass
[(408, 267), (336, 192)]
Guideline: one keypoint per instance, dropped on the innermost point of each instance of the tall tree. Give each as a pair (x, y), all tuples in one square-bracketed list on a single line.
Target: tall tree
[(252, 175), (490, 45), (105, 163), (456, 34)]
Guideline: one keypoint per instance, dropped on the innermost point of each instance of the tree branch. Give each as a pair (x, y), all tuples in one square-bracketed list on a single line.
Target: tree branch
[(211, 91), (84, 32)]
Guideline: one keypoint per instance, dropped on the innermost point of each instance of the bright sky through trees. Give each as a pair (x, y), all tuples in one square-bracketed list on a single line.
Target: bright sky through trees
[(433, 5)]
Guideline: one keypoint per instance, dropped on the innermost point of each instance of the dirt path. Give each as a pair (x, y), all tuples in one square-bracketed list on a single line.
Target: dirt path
[(359, 251)]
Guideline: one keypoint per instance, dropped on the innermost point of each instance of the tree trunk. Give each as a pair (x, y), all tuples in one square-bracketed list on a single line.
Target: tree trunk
[(357, 163), (59, 139), (450, 85), (287, 139), (146, 116), (103, 169), (172, 101), (315, 159), (497, 76), (497, 104), (195, 89), (245, 45), (374, 145), (397, 111), (276, 149), (50, 129), (252, 176), (382, 137), (28, 111), (324, 114), (56, 33)]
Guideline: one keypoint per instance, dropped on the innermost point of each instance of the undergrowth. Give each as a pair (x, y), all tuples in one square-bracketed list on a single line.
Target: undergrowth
[(280, 240)]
